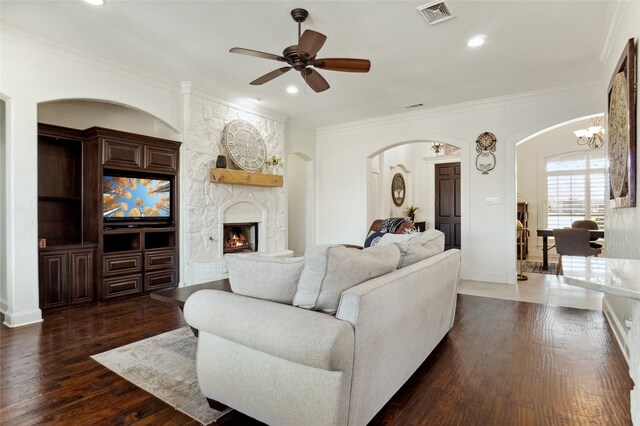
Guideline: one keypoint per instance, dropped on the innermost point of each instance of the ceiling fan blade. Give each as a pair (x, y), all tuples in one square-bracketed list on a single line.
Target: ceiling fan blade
[(314, 80), (343, 64), (257, 54), (310, 43), (269, 76)]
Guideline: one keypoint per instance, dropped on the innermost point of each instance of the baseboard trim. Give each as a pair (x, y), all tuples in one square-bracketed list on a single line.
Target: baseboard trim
[(618, 329), (19, 319)]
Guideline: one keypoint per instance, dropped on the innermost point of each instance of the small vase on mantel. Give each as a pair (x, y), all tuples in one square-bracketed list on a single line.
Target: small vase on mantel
[(221, 162)]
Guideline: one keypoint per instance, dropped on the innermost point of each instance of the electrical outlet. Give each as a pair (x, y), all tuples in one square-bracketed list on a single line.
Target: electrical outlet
[(492, 200)]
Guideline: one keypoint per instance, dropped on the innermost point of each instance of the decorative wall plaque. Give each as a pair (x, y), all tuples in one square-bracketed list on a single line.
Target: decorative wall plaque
[(621, 134), (485, 147), (397, 189)]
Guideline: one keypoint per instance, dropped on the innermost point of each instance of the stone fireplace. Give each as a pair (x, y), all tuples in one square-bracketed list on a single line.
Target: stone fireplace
[(207, 208)]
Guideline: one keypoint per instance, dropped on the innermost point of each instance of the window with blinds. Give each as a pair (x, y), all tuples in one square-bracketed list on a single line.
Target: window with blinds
[(575, 188)]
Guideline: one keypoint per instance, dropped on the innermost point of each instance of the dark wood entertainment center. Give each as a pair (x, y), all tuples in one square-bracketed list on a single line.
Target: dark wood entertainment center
[(86, 260)]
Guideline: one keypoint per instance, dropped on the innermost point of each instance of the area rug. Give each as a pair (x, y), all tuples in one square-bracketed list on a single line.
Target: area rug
[(165, 366), (536, 267)]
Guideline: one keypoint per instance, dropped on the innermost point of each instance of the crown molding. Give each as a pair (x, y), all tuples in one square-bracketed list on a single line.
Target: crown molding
[(612, 30), (189, 88), (18, 36), (480, 104)]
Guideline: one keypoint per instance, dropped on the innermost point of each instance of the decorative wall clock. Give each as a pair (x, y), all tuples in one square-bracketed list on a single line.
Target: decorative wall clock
[(397, 189), (245, 145), (485, 147), (621, 134)]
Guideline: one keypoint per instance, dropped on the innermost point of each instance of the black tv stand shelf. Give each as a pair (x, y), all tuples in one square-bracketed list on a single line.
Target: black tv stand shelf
[(86, 259)]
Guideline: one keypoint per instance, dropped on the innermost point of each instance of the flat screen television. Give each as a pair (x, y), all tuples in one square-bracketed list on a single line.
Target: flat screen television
[(129, 200)]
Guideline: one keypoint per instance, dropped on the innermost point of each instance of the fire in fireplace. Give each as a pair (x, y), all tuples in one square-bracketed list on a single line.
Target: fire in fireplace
[(240, 237)]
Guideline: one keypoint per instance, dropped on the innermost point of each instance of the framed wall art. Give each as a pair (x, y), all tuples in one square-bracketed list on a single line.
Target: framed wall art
[(621, 131), (397, 189)]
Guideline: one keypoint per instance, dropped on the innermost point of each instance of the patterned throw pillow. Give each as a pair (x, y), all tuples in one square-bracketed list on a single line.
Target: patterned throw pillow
[(373, 239)]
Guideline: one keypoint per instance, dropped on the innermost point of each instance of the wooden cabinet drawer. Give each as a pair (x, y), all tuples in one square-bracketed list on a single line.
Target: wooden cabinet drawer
[(160, 259), (113, 264), (160, 279), (114, 287), (121, 154), (161, 159)]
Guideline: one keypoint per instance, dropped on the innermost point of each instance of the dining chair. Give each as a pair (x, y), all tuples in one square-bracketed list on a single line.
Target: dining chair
[(573, 242), (588, 224)]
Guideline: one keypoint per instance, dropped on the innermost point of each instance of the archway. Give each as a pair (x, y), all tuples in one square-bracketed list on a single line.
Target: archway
[(416, 161), (557, 181), (85, 113), (300, 205)]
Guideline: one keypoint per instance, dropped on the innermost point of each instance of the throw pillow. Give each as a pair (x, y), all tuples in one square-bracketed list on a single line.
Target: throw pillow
[(421, 248), (329, 270), (268, 278), (373, 239)]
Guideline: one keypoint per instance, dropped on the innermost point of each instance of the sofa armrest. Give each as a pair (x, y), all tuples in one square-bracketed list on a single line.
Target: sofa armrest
[(295, 334)]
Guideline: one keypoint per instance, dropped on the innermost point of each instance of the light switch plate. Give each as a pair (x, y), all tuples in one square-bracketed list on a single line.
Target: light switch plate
[(492, 200)]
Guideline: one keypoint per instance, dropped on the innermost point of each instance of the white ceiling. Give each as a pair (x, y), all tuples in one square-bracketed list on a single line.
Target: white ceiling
[(530, 45)]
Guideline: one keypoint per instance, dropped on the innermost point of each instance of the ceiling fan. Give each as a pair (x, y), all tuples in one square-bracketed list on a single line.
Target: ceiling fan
[(302, 57)]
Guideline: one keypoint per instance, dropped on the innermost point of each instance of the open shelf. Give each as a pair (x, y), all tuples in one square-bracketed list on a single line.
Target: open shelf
[(240, 177), (115, 242), (159, 239)]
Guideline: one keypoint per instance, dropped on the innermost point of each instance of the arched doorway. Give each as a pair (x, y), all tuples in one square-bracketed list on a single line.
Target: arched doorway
[(558, 181), (417, 162), (300, 206)]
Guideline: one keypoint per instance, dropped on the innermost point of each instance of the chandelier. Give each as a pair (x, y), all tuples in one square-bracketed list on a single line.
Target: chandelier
[(437, 147), (592, 136)]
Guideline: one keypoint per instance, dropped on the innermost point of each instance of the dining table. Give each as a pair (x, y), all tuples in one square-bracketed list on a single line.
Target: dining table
[(546, 233)]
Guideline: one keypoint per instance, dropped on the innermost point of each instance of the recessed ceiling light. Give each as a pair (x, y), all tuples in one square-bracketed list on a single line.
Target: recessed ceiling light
[(476, 41), (292, 89), (95, 2)]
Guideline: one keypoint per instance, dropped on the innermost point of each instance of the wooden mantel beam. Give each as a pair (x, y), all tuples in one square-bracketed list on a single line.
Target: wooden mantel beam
[(240, 177)]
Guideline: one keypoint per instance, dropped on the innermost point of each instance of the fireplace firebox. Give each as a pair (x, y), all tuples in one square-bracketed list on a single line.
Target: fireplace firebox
[(240, 237)]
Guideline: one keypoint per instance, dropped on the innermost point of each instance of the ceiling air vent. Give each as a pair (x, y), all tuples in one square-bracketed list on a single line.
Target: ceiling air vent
[(436, 12)]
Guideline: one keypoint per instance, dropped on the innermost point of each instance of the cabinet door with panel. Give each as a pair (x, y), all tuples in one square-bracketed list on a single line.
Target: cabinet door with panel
[(54, 272), (82, 276), (160, 159), (120, 154)]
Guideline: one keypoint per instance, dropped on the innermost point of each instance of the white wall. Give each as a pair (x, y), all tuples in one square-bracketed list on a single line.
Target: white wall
[(531, 175), (342, 168), (33, 73), (622, 225), (3, 204)]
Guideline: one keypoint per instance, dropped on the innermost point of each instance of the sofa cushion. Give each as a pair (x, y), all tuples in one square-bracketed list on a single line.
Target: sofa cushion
[(430, 243), (331, 269), (263, 277), (398, 238)]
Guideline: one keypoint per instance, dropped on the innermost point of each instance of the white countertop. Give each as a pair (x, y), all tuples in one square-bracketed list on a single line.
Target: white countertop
[(620, 277)]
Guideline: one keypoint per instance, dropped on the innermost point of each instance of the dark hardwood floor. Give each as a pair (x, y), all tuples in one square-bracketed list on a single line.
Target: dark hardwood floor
[(503, 363)]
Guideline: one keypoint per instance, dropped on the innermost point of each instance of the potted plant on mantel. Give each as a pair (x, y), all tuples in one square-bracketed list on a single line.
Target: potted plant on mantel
[(410, 212), (274, 164)]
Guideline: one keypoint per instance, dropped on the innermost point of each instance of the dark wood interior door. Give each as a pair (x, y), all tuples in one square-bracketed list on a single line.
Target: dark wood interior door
[(448, 209)]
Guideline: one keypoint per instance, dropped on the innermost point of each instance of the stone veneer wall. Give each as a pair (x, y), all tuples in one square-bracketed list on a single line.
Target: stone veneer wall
[(202, 200)]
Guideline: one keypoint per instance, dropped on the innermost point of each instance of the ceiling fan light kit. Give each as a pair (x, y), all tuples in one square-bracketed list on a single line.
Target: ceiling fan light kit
[(302, 56)]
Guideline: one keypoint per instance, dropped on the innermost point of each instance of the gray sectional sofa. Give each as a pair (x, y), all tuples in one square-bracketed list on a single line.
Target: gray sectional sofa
[(328, 352)]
